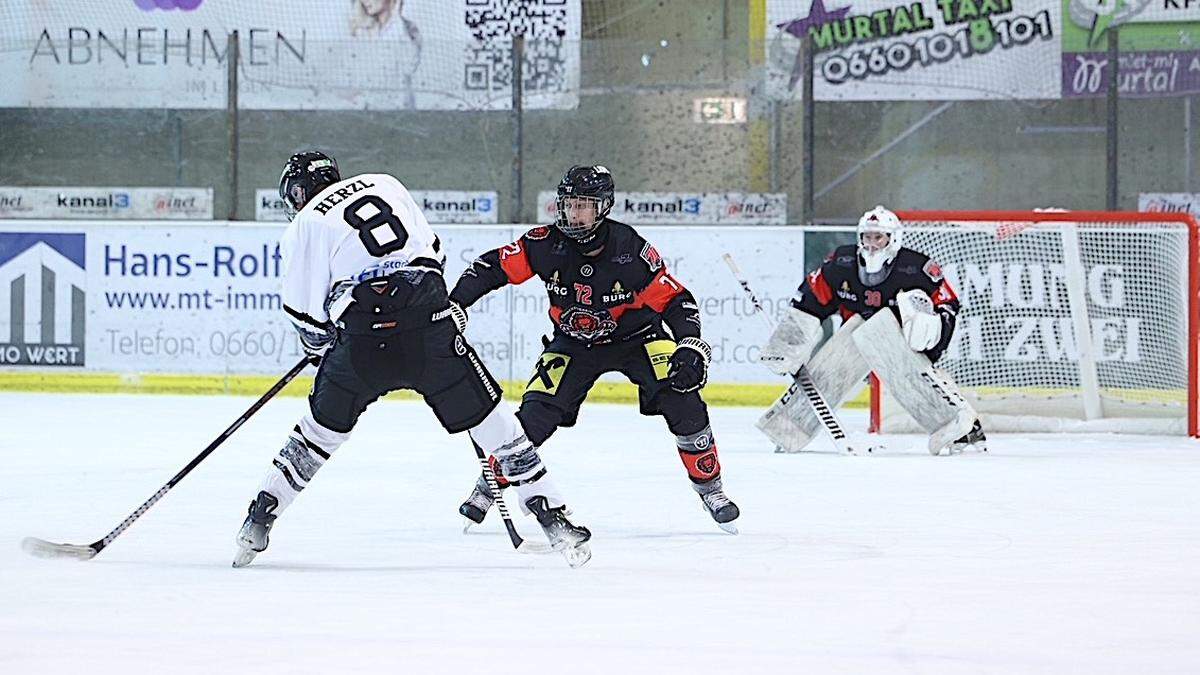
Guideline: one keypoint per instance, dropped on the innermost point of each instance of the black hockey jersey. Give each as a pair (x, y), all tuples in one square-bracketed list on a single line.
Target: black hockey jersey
[(835, 286), (623, 291)]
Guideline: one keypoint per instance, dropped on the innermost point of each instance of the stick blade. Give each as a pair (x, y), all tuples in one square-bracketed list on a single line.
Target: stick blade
[(40, 548)]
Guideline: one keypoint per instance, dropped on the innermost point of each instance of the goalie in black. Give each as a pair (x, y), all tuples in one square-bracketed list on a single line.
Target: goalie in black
[(900, 345)]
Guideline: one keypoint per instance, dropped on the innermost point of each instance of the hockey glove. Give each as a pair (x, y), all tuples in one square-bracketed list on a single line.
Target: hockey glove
[(688, 369), (315, 343), (921, 325)]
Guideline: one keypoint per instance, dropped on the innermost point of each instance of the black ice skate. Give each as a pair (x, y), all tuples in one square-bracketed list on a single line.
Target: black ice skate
[(252, 539), (571, 540), (975, 438), (719, 506), (476, 507)]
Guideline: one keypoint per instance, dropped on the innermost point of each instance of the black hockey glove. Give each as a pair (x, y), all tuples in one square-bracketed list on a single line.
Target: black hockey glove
[(688, 370), (316, 343)]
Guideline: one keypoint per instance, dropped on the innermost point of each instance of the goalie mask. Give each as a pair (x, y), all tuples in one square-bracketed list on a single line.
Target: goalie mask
[(306, 174), (878, 239), (585, 196)]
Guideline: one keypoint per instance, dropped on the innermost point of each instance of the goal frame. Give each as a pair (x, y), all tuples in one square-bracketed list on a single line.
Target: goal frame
[(1117, 218)]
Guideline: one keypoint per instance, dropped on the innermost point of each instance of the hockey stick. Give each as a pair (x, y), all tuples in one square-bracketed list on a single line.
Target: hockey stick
[(801, 379), (45, 549), (520, 543)]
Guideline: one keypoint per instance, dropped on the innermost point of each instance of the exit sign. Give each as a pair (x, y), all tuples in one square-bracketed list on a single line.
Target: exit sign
[(727, 110)]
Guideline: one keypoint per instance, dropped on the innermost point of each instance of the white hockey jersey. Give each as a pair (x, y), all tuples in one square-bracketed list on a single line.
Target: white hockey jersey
[(359, 228)]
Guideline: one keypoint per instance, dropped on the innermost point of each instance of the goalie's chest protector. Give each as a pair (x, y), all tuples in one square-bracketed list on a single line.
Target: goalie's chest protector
[(843, 285)]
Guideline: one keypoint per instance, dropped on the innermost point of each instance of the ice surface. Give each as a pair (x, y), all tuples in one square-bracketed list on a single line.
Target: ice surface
[(1050, 554)]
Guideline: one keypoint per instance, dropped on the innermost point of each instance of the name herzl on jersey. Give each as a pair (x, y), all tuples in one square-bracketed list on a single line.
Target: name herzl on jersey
[(608, 297), (359, 228), (836, 286)]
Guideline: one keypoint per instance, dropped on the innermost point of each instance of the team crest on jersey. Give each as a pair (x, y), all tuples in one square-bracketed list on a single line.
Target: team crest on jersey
[(538, 233), (933, 270), (555, 287), (652, 258), (584, 324), (845, 294), (618, 294)]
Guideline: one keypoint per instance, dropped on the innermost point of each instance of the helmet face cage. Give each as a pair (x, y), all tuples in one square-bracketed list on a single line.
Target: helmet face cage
[(883, 221), (304, 175), (580, 231), (591, 183)]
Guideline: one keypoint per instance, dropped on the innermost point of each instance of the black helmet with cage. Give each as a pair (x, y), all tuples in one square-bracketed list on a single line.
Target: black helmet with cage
[(306, 174), (585, 197)]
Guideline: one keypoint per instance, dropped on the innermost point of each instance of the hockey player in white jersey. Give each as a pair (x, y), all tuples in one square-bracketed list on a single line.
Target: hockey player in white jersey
[(362, 283)]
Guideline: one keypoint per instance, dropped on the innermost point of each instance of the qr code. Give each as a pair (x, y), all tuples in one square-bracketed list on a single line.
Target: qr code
[(494, 24)]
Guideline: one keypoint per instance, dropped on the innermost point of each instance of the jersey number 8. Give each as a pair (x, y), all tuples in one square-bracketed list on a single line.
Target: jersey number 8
[(381, 232)]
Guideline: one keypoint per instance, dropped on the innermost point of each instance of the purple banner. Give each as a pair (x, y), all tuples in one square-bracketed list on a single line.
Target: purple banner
[(1143, 74)]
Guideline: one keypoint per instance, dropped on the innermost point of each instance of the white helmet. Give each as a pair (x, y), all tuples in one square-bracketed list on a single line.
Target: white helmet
[(874, 252)]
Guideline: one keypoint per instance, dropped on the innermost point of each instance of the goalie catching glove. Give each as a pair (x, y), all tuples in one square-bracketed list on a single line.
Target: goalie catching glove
[(688, 369), (922, 327), (792, 342)]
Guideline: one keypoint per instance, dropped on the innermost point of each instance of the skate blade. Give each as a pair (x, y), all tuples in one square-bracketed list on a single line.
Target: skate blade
[(468, 524), (243, 557), (41, 548), (577, 556), (728, 527)]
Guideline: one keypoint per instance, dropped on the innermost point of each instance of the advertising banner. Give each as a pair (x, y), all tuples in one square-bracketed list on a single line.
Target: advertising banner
[(683, 208), (120, 203), (205, 298), (294, 54), (1159, 45), (928, 49), (440, 206), (1170, 202)]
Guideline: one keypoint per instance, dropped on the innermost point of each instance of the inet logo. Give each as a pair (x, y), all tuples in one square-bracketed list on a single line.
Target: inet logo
[(42, 299)]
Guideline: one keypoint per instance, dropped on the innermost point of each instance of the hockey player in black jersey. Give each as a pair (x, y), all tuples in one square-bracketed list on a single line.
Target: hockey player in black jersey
[(362, 284), (614, 307), (859, 281)]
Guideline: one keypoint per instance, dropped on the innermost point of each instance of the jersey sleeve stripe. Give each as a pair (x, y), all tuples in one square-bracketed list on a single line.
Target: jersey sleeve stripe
[(301, 317), (515, 263), (820, 287), (661, 291)]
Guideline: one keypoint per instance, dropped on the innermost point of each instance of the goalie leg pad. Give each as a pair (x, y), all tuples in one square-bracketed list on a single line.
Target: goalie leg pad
[(837, 370), (929, 395)]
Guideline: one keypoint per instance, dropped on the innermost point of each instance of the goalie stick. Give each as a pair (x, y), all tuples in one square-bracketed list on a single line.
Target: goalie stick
[(801, 379), (45, 549), (520, 543)]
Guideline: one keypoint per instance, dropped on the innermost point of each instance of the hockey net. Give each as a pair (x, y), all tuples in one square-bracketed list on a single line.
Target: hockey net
[(1070, 321)]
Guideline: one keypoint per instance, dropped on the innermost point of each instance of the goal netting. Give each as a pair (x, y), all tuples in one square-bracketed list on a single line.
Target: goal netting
[(1070, 321)]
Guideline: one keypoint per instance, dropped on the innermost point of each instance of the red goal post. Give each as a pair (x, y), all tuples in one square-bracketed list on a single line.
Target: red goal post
[(1071, 320)]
